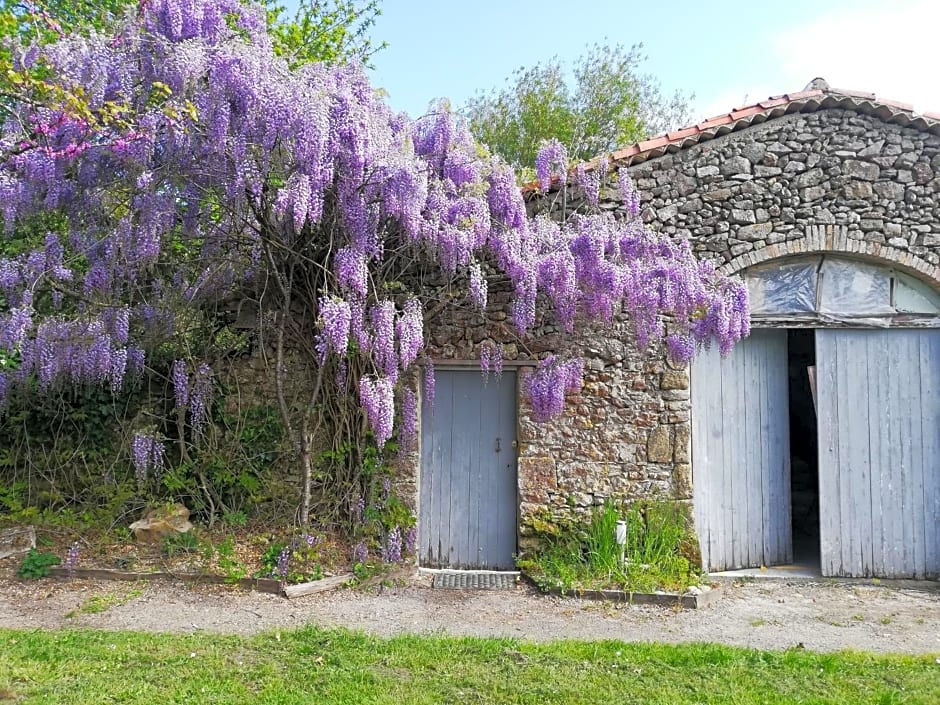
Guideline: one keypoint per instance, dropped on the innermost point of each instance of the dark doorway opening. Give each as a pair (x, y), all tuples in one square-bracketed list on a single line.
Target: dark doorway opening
[(804, 451)]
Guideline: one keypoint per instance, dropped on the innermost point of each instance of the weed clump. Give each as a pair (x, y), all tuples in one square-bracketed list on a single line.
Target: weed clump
[(587, 556)]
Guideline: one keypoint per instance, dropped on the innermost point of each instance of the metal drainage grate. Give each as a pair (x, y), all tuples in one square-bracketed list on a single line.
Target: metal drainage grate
[(475, 581)]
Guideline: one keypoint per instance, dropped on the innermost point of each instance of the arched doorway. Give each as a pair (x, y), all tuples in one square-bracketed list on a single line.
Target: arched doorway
[(822, 430)]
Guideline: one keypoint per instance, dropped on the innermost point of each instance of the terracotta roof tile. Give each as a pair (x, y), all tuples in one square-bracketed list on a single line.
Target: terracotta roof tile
[(653, 143), (907, 107), (712, 122), (809, 99), (739, 113), (803, 94), (679, 134), (773, 102)]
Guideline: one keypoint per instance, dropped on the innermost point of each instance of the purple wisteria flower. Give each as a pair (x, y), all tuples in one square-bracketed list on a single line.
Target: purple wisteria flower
[(409, 421), (148, 455), (410, 330), (590, 178), (428, 378), (72, 556), (411, 540), (282, 568), (548, 385), (358, 509), (335, 321), (360, 553), (551, 162), (313, 165), (377, 397), (180, 384), (478, 286), (200, 396), (391, 551), (631, 197)]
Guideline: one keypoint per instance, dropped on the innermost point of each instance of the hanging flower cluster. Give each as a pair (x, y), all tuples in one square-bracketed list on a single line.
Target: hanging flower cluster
[(548, 385), (148, 455), (227, 152)]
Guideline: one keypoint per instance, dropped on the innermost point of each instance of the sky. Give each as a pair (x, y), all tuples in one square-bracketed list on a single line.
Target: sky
[(725, 53)]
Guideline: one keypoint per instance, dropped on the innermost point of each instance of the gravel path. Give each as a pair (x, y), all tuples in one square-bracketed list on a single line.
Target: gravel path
[(896, 617)]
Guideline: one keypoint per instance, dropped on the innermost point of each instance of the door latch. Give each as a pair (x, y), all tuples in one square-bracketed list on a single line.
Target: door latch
[(497, 445)]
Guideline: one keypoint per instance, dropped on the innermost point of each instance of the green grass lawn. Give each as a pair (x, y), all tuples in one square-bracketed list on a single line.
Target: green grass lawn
[(317, 666)]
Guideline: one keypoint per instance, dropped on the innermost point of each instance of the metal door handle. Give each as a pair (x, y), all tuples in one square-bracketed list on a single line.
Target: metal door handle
[(497, 445)]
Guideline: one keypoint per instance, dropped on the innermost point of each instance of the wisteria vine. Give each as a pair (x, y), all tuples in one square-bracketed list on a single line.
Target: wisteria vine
[(230, 168)]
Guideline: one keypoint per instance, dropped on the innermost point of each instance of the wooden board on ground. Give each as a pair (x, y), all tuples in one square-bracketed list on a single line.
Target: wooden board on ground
[(661, 599), (260, 584), (292, 591)]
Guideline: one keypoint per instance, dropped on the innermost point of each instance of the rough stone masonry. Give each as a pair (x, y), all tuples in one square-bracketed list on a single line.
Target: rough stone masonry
[(831, 180)]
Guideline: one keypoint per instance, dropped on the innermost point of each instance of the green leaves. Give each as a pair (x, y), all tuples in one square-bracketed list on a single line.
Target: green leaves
[(332, 31), (608, 105), (37, 564)]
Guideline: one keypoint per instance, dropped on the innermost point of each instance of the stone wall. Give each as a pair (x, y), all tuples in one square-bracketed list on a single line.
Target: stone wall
[(833, 180), (769, 190), (625, 435)]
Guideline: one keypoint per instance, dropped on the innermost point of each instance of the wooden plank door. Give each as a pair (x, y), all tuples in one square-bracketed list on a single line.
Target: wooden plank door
[(741, 453), (468, 505), (879, 452)]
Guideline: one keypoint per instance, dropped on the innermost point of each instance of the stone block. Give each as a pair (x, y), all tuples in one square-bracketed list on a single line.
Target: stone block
[(922, 174), (813, 177), (667, 213), (742, 215), (754, 232), (872, 150), (683, 449), (685, 185), (674, 379), (735, 166), (856, 169), (659, 446), (537, 473), (754, 151), (889, 190), (812, 194), (682, 480), (857, 190), (762, 171), (161, 522), (722, 194)]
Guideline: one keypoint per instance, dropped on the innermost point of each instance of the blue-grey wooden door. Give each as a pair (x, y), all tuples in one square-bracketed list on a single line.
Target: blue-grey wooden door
[(879, 452), (741, 453), (468, 501)]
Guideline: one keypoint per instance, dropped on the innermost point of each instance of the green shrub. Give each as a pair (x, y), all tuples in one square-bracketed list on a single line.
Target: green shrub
[(587, 556), (36, 564)]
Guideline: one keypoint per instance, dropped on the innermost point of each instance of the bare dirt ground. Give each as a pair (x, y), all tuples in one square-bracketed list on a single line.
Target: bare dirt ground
[(767, 614)]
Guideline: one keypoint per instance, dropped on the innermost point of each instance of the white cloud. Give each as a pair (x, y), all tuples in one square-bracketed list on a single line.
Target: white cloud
[(887, 50)]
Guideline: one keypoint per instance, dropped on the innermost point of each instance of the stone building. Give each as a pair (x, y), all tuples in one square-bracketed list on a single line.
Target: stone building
[(819, 434)]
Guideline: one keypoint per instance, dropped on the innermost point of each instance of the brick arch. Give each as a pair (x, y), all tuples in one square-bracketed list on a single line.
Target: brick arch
[(820, 239)]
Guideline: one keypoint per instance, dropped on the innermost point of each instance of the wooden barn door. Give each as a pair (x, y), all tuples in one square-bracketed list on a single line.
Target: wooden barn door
[(879, 452), (741, 453), (468, 473)]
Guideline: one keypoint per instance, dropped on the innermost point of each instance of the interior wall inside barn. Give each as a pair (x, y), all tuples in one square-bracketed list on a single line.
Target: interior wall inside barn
[(804, 450)]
